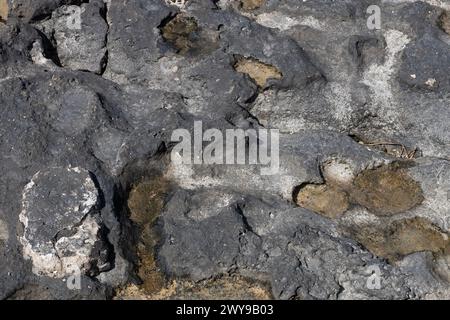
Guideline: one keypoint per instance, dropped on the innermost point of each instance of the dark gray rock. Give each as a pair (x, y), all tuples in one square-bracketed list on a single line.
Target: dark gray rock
[(426, 64), (86, 114), (79, 34), (61, 228)]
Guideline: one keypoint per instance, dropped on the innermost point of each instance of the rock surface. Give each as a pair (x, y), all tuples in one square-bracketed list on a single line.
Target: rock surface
[(94, 206)]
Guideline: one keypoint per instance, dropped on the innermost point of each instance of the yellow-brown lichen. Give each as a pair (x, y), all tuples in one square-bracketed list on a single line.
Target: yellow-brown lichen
[(260, 72)]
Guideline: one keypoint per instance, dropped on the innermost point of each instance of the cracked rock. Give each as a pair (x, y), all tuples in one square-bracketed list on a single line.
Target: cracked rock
[(62, 231)]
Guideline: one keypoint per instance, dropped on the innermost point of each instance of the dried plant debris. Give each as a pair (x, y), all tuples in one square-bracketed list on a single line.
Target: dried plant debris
[(395, 149), (260, 72)]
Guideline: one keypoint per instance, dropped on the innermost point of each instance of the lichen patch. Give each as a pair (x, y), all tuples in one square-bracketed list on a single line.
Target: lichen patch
[(145, 203), (323, 199), (401, 237), (4, 9), (260, 72), (386, 190), (445, 22), (178, 32), (221, 288), (249, 5)]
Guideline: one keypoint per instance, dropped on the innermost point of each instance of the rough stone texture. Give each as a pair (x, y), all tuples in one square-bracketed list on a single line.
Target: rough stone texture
[(87, 177), (80, 45), (60, 233)]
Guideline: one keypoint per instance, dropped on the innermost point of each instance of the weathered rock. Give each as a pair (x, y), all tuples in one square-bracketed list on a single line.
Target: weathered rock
[(426, 64), (363, 116), (80, 35), (75, 111), (257, 248), (61, 233), (442, 264)]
